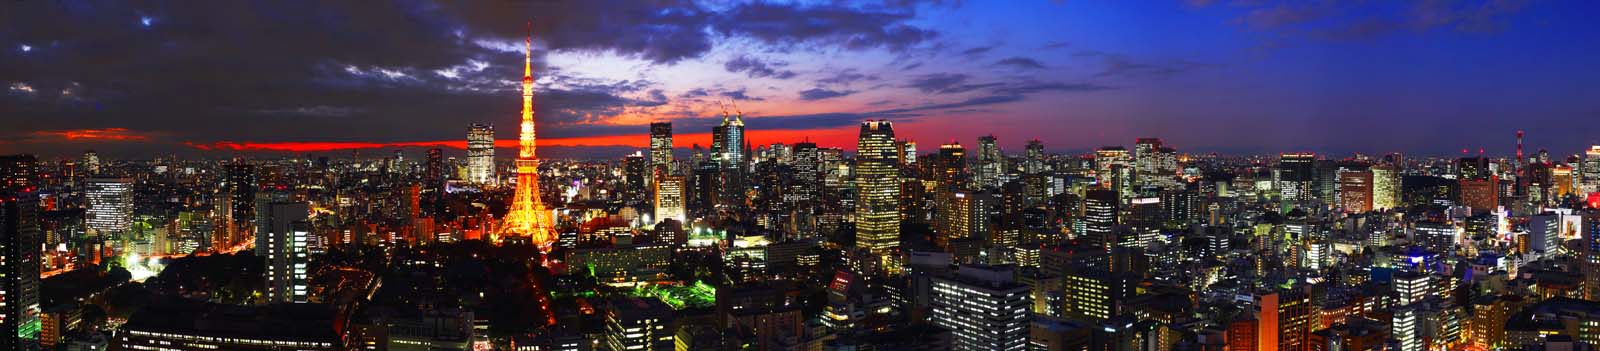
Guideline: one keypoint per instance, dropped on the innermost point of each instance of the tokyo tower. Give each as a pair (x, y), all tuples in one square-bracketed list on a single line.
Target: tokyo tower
[(528, 220)]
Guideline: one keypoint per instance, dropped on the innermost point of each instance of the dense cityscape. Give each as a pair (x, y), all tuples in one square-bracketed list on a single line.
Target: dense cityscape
[(880, 242)]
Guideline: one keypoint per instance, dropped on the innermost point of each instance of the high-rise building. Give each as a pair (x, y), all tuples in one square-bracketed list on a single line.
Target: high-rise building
[(1406, 328), (636, 175), (877, 188), (1296, 176), (240, 188), (433, 182), (110, 205), (669, 194), (634, 323), (991, 164), (727, 152), (982, 307), (283, 239), (950, 168), (1356, 191), (528, 220), (19, 268), (18, 172), (1544, 232), (1095, 295), (1034, 161), (1589, 172), (727, 140), (1100, 208), (1481, 194), (480, 154), (661, 146), (90, 163), (1155, 163), (1385, 187), (1113, 169), (1473, 168)]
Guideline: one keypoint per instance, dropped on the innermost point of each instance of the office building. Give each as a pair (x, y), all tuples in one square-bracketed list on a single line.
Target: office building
[(639, 324), (282, 239), (669, 195), (661, 146), (110, 206), (480, 154), (982, 307), (19, 269), (877, 188)]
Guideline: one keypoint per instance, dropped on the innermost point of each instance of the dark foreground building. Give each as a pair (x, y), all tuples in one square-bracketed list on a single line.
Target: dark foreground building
[(177, 324)]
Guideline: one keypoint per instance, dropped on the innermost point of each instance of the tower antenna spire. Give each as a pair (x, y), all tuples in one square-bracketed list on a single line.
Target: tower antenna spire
[(527, 53)]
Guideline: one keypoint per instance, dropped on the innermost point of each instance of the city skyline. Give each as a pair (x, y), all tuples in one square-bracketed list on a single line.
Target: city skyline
[(1213, 77)]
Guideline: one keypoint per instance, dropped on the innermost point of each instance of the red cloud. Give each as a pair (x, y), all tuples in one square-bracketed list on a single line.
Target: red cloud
[(103, 134)]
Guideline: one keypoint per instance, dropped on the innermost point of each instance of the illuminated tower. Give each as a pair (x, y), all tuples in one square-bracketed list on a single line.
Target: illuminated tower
[(528, 219), (878, 188)]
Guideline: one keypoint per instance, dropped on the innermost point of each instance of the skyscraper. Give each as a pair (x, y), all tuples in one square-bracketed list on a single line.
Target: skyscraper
[(1100, 218), (1155, 163), (1296, 175), (240, 189), (636, 174), (669, 198), (1385, 187), (1356, 191), (1035, 157), (480, 154), (727, 140), (1114, 170), (982, 307), (19, 264), (433, 180), (877, 188), (991, 163), (90, 163), (1589, 173), (727, 151), (110, 205), (661, 146), (528, 219), (282, 239)]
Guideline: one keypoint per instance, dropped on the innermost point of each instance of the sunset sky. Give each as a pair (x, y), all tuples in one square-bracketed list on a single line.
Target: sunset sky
[(225, 78)]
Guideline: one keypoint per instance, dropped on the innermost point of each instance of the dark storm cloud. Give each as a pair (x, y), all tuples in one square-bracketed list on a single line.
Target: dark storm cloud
[(820, 93), (756, 68), (1020, 62), (409, 70)]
